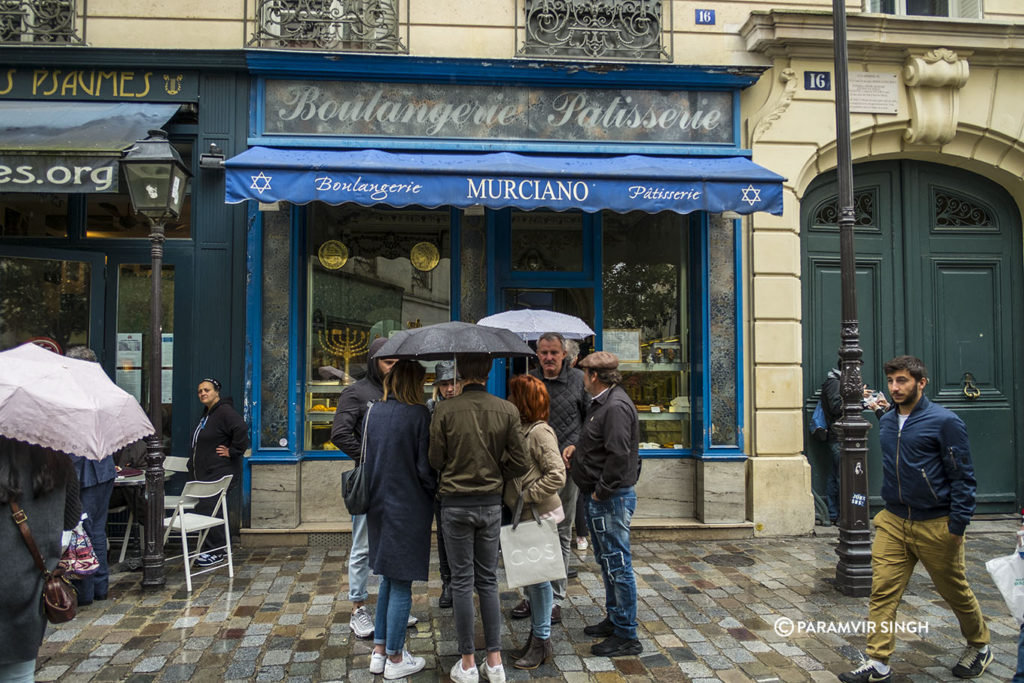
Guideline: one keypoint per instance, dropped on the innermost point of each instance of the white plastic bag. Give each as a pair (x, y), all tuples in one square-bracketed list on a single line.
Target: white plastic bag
[(1008, 574)]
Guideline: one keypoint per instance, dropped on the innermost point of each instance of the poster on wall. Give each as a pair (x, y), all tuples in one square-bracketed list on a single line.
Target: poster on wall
[(167, 349), (129, 350), (131, 381), (165, 385)]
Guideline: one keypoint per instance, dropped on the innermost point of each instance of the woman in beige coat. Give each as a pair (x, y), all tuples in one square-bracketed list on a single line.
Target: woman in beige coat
[(539, 488)]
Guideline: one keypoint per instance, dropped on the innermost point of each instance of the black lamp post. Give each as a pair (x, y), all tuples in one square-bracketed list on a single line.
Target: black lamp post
[(853, 571), (156, 179)]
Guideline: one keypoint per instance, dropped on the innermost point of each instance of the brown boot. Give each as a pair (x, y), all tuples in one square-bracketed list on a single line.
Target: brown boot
[(539, 652), (520, 651)]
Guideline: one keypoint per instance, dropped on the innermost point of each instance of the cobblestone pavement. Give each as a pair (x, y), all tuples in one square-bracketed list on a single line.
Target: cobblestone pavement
[(707, 612)]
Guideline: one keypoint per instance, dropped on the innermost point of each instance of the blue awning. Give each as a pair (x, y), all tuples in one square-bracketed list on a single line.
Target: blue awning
[(503, 179)]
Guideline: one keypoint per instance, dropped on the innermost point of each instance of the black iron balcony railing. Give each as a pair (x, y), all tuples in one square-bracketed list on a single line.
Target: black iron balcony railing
[(341, 25), (607, 30), (55, 22)]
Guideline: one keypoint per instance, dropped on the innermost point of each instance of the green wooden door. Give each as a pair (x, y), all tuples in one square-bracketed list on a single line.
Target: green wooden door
[(937, 250)]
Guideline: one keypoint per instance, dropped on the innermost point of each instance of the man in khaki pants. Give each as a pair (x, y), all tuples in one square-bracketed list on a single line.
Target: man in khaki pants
[(928, 487)]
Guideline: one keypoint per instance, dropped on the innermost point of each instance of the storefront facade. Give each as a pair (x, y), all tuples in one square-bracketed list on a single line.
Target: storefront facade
[(75, 258), (936, 142), (392, 193)]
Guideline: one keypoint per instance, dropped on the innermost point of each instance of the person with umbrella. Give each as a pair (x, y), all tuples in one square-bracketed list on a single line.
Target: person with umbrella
[(96, 484), (218, 443), (476, 445)]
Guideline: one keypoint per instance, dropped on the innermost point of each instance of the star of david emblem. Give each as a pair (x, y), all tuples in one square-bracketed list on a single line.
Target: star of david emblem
[(261, 182), (751, 195)]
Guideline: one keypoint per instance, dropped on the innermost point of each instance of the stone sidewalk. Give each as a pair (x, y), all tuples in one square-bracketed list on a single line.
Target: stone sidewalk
[(708, 611)]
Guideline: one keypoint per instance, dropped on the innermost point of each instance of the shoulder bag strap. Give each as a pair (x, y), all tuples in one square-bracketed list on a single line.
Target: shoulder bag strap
[(366, 423), (21, 519)]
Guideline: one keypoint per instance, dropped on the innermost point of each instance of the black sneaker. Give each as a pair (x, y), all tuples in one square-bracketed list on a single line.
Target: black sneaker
[(210, 559), (973, 663), (446, 596), (600, 630), (615, 646), (865, 673)]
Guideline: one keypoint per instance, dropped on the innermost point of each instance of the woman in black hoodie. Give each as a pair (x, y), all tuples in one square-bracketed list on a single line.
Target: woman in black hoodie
[(218, 443)]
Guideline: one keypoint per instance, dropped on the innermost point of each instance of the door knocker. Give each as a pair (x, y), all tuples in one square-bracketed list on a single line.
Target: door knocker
[(971, 391)]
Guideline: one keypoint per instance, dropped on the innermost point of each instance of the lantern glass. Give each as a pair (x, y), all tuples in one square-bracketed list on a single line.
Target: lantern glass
[(156, 177)]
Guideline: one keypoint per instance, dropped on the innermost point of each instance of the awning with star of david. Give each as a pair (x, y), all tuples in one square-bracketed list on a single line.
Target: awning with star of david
[(503, 179)]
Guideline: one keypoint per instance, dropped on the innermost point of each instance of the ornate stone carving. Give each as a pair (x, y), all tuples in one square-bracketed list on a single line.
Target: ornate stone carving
[(775, 107), (933, 87)]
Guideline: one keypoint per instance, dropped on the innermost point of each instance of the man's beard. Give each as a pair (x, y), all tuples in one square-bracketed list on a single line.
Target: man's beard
[(911, 397)]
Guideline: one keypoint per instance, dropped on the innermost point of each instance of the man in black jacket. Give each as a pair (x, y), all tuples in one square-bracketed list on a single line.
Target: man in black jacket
[(606, 466), (347, 435)]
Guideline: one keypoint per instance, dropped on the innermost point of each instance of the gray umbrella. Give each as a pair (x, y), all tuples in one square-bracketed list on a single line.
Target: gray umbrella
[(444, 340)]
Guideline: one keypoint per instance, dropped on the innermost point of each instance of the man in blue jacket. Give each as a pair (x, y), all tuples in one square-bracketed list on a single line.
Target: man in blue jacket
[(928, 487)]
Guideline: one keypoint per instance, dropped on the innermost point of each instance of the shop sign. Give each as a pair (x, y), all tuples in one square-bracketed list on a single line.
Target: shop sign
[(46, 173), (133, 85), (416, 110)]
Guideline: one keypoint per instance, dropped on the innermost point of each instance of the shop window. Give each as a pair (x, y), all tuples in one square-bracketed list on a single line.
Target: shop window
[(346, 25), (547, 241), (33, 215), (962, 9), (45, 299), (40, 21), (110, 216), (620, 30), (370, 273), (646, 267), (133, 371)]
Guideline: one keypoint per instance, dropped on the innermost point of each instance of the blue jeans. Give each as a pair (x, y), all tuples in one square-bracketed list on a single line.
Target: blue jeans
[(541, 599), (608, 521), (96, 502), (1019, 676), (832, 485), (18, 672), (394, 600), (358, 560), (471, 537)]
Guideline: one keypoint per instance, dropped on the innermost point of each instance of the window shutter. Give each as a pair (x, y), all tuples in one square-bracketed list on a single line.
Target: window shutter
[(966, 9)]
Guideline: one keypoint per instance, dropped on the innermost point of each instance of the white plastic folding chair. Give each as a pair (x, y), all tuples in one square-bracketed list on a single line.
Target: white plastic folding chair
[(121, 509), (174, 463), (184, 522)]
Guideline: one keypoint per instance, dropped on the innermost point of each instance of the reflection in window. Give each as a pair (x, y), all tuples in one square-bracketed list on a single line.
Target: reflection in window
[(547, 241), (274, 333), (133, 372), (33, 215), (722, 346), (45, 298), (646, 261), (371, 272)]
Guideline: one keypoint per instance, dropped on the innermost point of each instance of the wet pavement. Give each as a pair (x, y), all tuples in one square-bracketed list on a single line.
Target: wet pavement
[(708, 611)]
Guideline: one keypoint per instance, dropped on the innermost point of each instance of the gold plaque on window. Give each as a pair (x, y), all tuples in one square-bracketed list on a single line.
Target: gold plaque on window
[(333, 254), (424, 256)]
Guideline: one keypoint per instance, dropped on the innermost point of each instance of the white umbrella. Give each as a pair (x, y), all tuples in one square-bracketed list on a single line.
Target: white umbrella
[(531, 323), (66, 404)]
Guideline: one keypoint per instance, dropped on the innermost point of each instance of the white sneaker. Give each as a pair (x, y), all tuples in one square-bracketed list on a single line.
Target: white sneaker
[(407, 667), (412, 621), (377, 660), (361, 623), (460, 675), (494, 674), (582, 543)]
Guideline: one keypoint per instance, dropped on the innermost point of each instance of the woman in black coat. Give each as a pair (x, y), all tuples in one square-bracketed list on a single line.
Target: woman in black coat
[(402, 486), (43, 484), (218, 443)]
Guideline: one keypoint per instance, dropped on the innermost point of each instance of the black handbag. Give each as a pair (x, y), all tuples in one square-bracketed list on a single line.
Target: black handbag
[(355, 483)]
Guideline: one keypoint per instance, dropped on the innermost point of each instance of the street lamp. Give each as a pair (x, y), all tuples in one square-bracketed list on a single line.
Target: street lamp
[(156, 178), (853, 570)]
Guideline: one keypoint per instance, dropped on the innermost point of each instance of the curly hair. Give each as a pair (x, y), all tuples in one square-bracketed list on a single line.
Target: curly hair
[(530, 396)]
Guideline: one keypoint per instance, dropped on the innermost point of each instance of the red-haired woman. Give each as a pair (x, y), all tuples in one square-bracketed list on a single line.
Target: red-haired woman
[(539, 488)]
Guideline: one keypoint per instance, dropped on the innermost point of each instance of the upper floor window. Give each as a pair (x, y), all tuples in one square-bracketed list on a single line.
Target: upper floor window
[(343, 25), (39, 21), (957, 9), (619, 30)]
